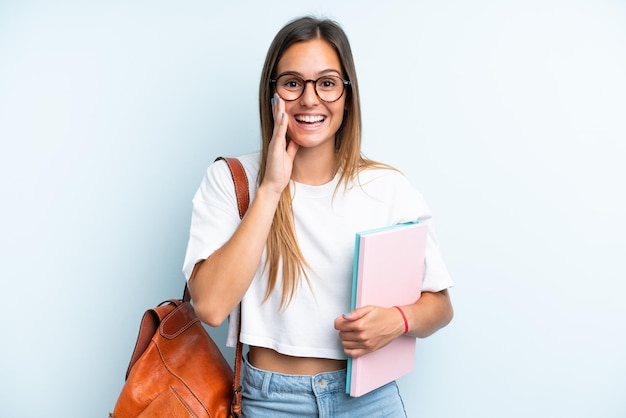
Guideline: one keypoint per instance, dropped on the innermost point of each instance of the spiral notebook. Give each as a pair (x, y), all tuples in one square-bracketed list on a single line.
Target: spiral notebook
[(388, 271)]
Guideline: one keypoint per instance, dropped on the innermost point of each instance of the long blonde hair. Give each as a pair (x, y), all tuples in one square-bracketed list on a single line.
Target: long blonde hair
[(282, 244)]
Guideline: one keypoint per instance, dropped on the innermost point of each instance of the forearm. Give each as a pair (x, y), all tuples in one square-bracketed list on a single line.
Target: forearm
[(218, 283), (371, 327), (431, 312)]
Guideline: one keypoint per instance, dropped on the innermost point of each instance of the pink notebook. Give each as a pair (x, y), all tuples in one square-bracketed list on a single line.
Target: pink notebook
[(388, 271)]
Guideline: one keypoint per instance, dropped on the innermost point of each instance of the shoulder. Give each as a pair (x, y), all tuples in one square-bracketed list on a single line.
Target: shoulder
[(393, 187), (250, 163), (384, 177), (218, 180), (219, 171)]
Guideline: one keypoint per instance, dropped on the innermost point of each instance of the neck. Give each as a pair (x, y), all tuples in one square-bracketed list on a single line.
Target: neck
[(314, 167)]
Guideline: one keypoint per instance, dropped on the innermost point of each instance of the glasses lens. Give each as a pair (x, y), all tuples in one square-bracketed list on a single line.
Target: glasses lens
[(289, 86), (328, 88)]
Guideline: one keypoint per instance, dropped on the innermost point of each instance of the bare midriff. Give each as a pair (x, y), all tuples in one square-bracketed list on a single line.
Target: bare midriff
[(270, 360)]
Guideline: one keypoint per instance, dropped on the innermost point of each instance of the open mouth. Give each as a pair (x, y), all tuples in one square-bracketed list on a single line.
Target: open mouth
[(310, 120)]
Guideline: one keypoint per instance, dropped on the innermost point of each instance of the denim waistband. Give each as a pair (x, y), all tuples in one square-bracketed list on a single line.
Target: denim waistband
[(268, 382)]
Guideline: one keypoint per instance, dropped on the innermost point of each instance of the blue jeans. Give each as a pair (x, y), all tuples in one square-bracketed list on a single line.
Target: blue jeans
[(276, 395)]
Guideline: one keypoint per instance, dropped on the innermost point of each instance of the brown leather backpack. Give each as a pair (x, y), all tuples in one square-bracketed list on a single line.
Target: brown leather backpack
[(176, 369)]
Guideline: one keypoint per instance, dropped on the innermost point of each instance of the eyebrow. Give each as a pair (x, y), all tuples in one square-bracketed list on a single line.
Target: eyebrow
[(321, 73)]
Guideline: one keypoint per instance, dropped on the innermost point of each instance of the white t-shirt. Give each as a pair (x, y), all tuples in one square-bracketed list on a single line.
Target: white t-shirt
[(326, 221)]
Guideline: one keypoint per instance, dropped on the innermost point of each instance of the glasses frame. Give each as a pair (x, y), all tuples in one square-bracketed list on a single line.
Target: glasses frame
[(344, 82)]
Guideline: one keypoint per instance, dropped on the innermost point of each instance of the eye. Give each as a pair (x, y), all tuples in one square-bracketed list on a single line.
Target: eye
[(291, 83), (327, 83)]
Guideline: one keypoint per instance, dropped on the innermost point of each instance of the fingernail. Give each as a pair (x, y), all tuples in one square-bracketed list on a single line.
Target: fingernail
[(272, 101), (346, 314), (283, 116)]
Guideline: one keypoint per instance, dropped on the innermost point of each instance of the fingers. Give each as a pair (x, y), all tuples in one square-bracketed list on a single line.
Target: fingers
[(353, 332), (343, 323), (281, 154), (358, 342), (278, 143), (280, 119), (359, 313), (365, 330), (292, 149)]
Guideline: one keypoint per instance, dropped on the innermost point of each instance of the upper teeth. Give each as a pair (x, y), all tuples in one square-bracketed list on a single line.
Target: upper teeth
[(310, 118)]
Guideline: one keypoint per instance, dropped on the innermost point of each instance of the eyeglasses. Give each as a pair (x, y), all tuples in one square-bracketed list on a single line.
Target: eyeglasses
[(328, 88)]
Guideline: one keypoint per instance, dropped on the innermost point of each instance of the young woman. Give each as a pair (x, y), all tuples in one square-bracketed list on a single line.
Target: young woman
[(289, 261)]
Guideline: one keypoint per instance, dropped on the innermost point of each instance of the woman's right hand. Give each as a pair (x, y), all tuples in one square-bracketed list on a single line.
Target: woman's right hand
[(218, 283), (281, 152)]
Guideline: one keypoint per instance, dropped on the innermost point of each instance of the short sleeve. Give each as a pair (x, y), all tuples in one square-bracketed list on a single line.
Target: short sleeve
[(410, 205), (214, 215)]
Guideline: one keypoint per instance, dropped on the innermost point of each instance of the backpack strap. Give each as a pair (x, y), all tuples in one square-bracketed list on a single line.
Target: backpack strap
[(242, 192), (240, 179)]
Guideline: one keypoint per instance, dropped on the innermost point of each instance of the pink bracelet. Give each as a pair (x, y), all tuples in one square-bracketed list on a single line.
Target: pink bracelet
[(406, 323)]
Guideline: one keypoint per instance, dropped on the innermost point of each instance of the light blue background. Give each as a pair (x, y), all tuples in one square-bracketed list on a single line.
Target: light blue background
[(509, 116)]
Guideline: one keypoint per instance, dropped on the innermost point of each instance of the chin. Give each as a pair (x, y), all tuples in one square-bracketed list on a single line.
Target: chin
[(310, 142)]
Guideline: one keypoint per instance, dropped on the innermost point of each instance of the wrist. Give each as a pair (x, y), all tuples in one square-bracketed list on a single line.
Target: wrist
[(404, 320), (269, 192)]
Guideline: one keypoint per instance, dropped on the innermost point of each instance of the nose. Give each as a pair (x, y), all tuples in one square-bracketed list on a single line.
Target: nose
[(309, 95)]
